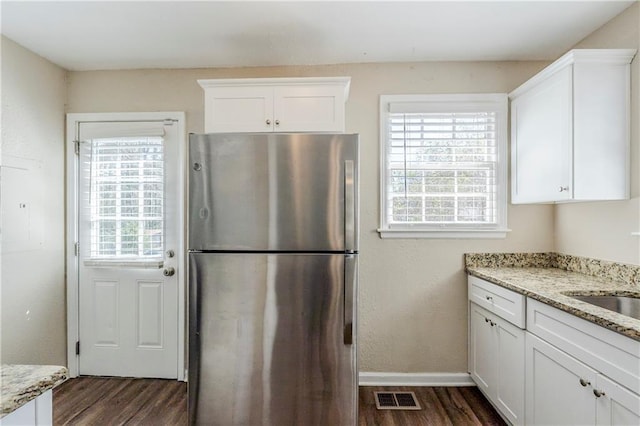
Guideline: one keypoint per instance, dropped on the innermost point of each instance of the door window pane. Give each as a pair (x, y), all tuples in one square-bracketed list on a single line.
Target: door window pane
[(126, 197)]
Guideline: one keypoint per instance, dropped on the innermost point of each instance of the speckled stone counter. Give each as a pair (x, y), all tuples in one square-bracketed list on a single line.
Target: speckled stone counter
[(551, 278), (22, 383)]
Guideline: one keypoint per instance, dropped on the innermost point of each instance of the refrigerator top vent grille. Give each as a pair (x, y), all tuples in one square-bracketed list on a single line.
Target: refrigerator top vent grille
[(396, 401)]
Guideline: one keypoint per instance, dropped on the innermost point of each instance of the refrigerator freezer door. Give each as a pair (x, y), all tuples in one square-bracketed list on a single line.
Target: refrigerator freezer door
[(273, 192), (266, 344)]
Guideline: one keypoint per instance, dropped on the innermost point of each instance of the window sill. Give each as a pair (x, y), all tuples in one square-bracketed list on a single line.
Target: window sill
[(445, 233), (113, 263)]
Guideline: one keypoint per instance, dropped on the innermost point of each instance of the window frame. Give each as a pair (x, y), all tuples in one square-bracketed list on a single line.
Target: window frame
[(495, 102)]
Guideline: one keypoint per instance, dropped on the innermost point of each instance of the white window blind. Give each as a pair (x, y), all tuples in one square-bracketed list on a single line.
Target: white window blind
[(126, 197), (443, 163)]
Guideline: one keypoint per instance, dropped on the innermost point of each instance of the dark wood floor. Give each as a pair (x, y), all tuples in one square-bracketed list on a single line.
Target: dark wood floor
[(110, 401), (440, 406)]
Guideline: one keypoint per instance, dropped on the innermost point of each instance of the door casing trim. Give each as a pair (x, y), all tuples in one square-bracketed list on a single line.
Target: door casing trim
[(72, 232)]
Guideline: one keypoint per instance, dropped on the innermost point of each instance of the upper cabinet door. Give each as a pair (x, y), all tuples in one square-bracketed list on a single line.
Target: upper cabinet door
[(541, 141), (228, 109), (275, 105), (309, 108)]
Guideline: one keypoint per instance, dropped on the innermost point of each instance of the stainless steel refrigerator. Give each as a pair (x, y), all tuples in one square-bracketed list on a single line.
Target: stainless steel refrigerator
[(273, 259)]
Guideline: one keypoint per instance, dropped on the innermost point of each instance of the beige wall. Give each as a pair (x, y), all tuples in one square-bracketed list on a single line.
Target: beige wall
[(413, 314), (603, 230), (32, 275), (412, 292)]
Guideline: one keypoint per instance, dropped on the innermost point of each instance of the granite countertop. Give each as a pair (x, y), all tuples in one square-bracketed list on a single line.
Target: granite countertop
[(20, 384), (553, 279)]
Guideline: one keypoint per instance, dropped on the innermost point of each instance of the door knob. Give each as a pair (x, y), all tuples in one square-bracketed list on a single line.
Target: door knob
[(170, 253), (168, 272)]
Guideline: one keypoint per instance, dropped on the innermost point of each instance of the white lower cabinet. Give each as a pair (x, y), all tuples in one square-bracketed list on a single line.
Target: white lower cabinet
[(37, 412), (616, 405), (559, 387), (549, 367), (563, 391), (496, 361)]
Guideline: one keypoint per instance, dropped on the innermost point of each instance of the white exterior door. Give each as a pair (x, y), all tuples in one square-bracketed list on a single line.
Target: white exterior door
[(129, 249)]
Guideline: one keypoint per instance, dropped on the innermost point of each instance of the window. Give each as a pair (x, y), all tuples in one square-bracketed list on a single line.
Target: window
[(443, 166), (126, 199)]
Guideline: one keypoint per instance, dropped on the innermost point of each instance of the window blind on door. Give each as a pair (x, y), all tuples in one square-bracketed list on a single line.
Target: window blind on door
[(441, 168), (125, 207)]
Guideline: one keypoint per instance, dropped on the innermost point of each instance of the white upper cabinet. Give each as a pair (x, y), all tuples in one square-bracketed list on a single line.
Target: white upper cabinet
[(570, 129), (275, 104)]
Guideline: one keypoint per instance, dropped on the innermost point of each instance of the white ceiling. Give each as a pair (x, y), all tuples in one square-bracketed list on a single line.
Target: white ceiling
[(93, 35)]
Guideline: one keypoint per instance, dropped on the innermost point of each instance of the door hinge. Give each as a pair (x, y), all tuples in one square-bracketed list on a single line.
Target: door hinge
[(76, 248), (76, 147), (78, 348)]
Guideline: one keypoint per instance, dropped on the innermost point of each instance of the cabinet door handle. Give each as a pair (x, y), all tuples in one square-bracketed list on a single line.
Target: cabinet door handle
[(598, 393), (277, 122), (268, 122), (563, 188), (490, 322), (584, 383)]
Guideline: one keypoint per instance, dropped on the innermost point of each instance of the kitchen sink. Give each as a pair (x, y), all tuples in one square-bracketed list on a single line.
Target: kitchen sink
[(625, 305)]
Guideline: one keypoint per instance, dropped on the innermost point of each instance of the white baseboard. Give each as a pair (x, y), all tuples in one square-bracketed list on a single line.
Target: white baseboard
[(414, 379)]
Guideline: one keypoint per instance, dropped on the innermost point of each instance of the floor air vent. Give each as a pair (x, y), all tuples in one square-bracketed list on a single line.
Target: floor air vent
[(396, 401)]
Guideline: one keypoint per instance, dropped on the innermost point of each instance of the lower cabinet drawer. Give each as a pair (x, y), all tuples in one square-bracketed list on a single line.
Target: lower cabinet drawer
[(606, 351), (505, 303)]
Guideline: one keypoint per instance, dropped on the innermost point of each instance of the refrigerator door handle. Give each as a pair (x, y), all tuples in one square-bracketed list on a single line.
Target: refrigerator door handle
[(350, 276), (349, 206)]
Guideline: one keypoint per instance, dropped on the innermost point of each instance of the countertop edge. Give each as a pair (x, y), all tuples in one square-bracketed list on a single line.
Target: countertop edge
[(572, 309), (33, 381)]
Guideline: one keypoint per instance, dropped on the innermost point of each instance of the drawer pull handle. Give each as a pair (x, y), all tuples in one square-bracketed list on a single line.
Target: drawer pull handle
[(486, 320), (598, 393), (489, 298), (584, 382)]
